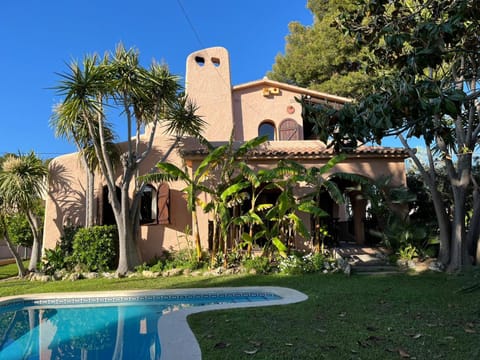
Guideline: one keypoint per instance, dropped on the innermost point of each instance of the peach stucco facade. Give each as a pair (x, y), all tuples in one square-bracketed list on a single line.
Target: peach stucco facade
[(240, 110)]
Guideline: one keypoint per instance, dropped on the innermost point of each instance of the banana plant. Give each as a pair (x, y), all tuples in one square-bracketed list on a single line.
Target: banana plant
[(228, 189), (194, 186), (259, 181)]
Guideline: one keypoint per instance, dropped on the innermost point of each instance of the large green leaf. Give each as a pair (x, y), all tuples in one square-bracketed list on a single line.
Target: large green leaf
[(166, 172), (334, 191), (263, 207), (310, 207), (332, 162), (299, 225), (233, 189), (280, 246), (210, 161), (254, 218), (249, 145)]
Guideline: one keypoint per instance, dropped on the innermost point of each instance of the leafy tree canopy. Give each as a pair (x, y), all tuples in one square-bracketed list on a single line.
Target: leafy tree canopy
[(320, 57), (426, 57)]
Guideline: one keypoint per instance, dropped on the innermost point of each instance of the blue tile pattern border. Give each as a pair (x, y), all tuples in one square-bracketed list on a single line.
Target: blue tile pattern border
[(194, 299)]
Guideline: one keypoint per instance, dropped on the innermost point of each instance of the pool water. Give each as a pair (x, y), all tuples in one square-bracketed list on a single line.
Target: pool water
[(97, 327)]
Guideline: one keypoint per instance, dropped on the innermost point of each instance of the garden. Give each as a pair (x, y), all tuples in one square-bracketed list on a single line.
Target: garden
[(422, 316)]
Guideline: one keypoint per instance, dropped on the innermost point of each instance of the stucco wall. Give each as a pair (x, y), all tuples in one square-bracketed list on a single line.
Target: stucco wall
[(251, 108), (65, 203), (208, 84)]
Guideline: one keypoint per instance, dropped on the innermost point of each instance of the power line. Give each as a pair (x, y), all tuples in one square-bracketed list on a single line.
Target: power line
[(200, 42), (190, 23)]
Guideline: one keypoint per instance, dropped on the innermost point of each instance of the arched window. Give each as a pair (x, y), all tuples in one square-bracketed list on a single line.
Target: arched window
[(148, 205), (267, 128), (288, 130)]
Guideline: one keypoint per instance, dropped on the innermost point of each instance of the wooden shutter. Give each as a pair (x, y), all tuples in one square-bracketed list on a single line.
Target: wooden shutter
[(163, 215), (289, 130)]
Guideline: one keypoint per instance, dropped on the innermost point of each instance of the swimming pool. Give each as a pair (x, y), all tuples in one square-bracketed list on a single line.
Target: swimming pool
[(118, 325)]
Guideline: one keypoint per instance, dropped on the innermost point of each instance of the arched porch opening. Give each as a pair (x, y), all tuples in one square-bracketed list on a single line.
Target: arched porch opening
[(346, 222)]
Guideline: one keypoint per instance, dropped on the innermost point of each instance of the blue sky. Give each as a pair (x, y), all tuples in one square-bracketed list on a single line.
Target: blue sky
[(38, 39)]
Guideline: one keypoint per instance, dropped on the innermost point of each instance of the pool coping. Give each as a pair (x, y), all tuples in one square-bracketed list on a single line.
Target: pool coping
[(177, 340)]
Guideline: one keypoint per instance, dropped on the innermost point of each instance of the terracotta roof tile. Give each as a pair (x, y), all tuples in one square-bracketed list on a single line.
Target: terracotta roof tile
[(295, 150)]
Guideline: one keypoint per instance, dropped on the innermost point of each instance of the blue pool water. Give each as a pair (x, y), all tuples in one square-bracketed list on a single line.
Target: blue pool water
[(116, 327)]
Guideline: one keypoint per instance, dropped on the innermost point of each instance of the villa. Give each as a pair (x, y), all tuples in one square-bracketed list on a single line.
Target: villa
[(261, 107)]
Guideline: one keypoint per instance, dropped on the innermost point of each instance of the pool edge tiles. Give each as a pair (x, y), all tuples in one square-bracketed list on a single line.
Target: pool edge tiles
[(178, 341), (190, 298)]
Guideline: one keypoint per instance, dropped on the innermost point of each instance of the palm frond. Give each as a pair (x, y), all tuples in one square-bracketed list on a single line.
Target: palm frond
[(22, 181)]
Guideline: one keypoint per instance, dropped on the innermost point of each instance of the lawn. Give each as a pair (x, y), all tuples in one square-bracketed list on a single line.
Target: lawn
[(359, 317)]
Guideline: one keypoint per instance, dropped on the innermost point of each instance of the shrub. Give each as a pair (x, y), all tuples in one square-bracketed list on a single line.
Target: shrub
[(408, 252), (292, 265), (299, 263), (260, 264), (66, 240), (53, 260), (314, 262), (96, 247), (183, 259), (158, 266)]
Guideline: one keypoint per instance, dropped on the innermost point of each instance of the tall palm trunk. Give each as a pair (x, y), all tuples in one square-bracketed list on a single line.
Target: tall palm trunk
[(90, 199), (196, 234), (89, 192), (127, 245), (215, 243), (37, 241)]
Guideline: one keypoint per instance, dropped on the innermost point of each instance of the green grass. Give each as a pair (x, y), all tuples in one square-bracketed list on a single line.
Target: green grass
[(358, 317), (10, 270)]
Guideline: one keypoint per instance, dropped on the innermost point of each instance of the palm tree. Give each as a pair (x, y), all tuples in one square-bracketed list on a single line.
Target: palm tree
[(145, 97), (75, 129), (85, 89), (22, 184)]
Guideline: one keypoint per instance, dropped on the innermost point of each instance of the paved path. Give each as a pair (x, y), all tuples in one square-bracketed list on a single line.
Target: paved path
[(367, 259)]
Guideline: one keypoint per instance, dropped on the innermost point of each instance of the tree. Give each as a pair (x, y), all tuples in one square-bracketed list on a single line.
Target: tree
[(427, 56), (145, 98), (320, 57), (73, 127), (19, 229), (22, 185), (11, 246)]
